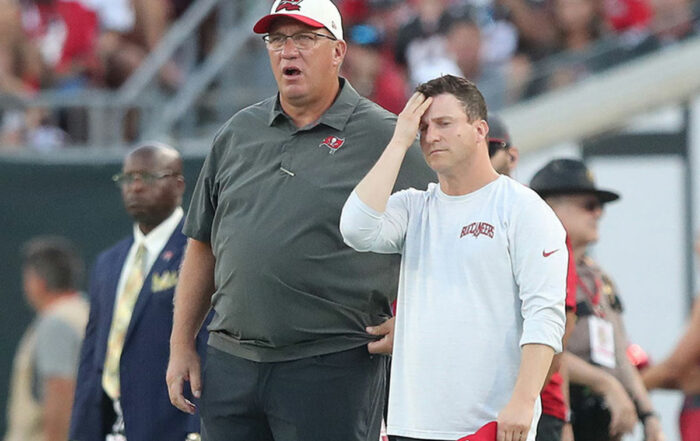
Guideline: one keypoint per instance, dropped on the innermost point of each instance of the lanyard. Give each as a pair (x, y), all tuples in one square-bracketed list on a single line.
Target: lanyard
[(593, 297)]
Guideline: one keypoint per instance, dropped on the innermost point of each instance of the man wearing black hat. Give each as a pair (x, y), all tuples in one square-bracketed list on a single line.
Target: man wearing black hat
[(599, 370)]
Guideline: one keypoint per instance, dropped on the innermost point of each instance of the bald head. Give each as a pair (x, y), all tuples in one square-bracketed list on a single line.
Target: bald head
[(161, 154), (153, 184)]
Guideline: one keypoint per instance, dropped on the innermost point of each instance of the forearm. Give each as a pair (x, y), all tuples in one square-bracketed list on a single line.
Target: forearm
[(585, 374), (660, 376), (193, 293), (534, 366), (375, 188), (674, 369), (58, 402), (635, 387)]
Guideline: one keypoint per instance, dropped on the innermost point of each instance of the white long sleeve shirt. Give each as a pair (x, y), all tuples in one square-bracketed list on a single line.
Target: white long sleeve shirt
[(481, 275)]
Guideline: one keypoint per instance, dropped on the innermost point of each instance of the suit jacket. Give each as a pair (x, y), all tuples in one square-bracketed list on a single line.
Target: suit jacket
[(148, 414)]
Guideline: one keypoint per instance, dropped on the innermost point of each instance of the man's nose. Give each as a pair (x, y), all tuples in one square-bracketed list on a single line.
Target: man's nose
[(289, 49), (431, 134)]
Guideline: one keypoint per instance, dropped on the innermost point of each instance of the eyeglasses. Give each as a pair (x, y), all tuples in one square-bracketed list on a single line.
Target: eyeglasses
[(302, 40), (123, 179), (495, 145)]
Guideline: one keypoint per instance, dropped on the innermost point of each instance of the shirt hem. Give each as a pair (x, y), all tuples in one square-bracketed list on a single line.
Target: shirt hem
[(248, 351)]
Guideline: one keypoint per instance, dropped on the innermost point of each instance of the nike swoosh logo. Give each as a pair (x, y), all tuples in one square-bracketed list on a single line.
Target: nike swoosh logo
[(547, 254)]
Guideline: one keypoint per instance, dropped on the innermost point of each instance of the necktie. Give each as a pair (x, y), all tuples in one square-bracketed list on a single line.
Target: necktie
[(120, 323)]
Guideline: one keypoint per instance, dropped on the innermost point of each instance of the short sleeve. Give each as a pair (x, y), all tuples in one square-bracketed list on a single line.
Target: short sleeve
[(200, 215), (57, 349)]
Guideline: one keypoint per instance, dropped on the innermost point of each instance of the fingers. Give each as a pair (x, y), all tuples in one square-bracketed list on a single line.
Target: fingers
[(177, 398), (383, 346), (196, 381), (511, 435), (382, 329), (614, 423), (417, 104)]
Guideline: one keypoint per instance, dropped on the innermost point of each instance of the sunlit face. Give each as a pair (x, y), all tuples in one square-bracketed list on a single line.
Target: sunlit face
[(579, 213), (305, 76), (447, 138)]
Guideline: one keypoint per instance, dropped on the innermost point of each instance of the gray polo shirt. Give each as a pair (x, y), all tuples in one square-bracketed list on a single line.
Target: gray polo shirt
[(268, 199)]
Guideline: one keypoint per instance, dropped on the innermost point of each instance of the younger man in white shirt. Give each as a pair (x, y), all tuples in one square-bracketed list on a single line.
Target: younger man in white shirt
[(480, 309)]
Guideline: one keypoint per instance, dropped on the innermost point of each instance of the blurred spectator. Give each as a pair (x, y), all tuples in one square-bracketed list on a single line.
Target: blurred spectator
[(674, 21), (596, 360), (421, 45), (466, 49), (627, 15), (373, 76), (43, 376), (20, 62), (580, 28), (681, 370), (65, 32), (130, 29)]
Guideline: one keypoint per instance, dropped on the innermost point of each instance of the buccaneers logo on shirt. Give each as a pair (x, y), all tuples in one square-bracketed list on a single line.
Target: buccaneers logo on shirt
[(333, 143), (476, 229), (289, 5)]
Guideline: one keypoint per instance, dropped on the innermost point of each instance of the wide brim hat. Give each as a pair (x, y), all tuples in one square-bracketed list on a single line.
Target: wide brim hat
[(315, 13), (568, 176)]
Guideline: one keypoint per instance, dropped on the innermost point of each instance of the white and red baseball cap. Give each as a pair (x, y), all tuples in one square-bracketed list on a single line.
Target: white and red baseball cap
[(487, 432), (315, 13)]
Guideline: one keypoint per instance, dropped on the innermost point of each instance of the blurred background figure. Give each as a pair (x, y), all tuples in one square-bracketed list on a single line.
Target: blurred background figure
[(596, 361), (121, 392), (421, 46), (43, 376), (504, 155), (374, 75), (681, 370)]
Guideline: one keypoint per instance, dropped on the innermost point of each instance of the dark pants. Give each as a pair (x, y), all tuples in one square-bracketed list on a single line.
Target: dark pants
[(329, 397), (549, 428), (590, 415)]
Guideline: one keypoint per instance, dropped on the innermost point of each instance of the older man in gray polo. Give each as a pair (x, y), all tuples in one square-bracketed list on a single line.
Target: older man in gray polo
[(288, 351)]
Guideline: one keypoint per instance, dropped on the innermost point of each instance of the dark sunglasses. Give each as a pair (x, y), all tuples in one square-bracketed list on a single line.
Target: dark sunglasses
[(591, 205), (496, 144)]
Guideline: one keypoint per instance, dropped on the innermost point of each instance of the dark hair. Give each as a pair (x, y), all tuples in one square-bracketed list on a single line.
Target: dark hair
[(55, 260), (464, 90)]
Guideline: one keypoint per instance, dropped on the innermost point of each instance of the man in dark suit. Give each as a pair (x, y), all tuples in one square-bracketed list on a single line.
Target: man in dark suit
[(120, 390)]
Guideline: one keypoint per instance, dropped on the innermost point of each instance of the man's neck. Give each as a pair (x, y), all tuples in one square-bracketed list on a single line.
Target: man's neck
[(54, 297), (306, 111), (468, 179), (579, 250)]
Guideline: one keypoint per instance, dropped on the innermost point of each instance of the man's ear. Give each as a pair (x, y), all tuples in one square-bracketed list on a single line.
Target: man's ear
[(482, 128), (339, 52)]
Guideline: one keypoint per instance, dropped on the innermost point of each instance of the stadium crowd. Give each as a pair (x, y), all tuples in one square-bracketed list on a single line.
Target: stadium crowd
[(512, 49)]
